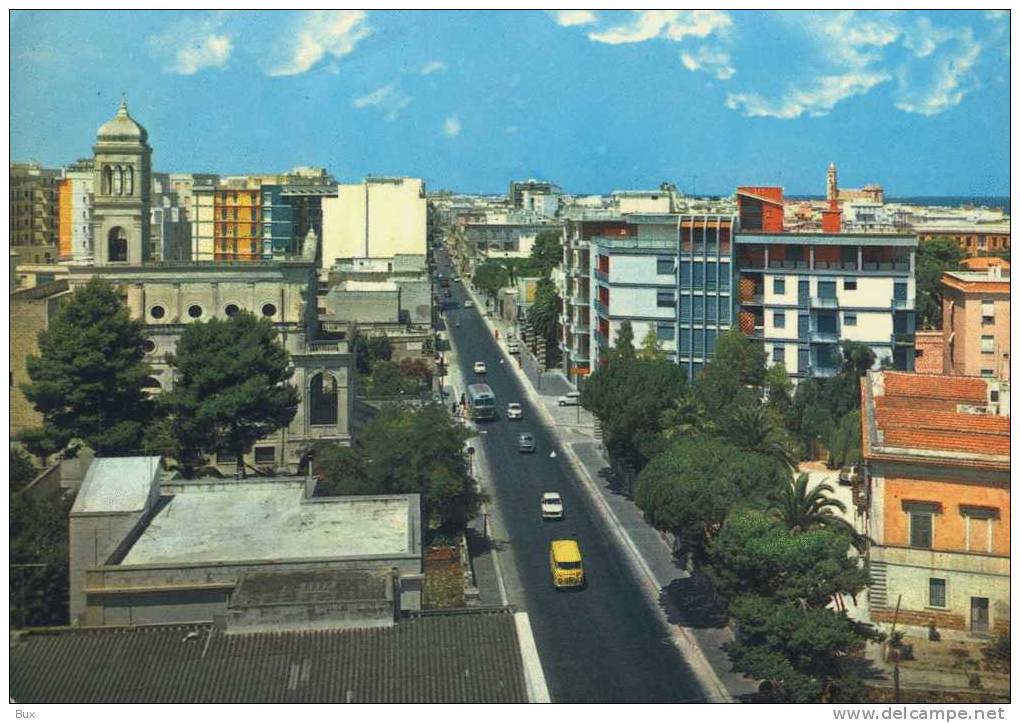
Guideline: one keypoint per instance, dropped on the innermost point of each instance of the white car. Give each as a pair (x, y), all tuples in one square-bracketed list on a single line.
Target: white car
[(514, 411), (552, 506), (571, 399), (479, 367), (468, 304), (512, 348)]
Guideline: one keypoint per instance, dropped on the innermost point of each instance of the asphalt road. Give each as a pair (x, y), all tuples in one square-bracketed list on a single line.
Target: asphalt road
[(604, 643)]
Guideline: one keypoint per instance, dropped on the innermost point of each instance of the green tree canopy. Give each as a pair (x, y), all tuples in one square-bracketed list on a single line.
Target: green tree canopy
[(690, 488), (934, 257), (733, 378), (650, 346), (39, 590), (755, 428), (87, 381), (544, 312), (22, 469), (232, 385), (547, 252), (490, 277), (755, 554), (623, 345), (801, 509)]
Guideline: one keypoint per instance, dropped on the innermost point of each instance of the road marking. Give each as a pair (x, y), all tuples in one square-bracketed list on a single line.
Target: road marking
[(534, 677)]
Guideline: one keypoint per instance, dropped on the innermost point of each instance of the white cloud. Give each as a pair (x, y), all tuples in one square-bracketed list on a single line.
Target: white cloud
[(569, 18), (850, 39), (192, 44), (451, 127), (322, 33), (817, 99), (670, 24), (945, 78), (997, 15), (711, 60), (433, 66), (389, 98)]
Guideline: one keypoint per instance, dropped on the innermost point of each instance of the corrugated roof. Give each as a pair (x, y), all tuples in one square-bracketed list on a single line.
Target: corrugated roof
[(469, 658)]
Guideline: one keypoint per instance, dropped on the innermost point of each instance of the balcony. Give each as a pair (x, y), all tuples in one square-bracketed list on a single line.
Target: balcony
[(823, 371), (818, 336), (820, 302), (904, 339), (905, 304), (600, 308), (578, 355), (752, 299), (579, 327), (579, 300), (601, 340), (602, 276)]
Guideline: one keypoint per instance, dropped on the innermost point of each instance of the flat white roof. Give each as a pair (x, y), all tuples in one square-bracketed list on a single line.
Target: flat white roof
[(368, 286), (232, 521), (116, 484)]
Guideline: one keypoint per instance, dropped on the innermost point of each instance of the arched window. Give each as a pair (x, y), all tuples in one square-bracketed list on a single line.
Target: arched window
[(151, 385), (107, 180), (118, 181), (116, 242), (323, 399), (129, 181)]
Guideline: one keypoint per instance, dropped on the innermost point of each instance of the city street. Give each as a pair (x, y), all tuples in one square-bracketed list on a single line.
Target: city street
[(601, 644)]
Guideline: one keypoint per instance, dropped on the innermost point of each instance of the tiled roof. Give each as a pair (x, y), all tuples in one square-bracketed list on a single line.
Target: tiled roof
[(466, 658), (918, 416)]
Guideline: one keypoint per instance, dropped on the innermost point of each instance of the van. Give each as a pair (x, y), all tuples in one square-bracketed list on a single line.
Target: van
[(565, 564), (570, 399)]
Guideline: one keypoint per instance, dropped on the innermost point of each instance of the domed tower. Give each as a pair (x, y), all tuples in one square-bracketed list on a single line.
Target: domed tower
[(123, 182)]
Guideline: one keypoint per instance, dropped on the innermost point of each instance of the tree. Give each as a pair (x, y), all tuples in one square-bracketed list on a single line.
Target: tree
[(418, 371), (757, 554), (801, 510), (812, 420), (388, 381), (544, 312), (684, 418), (934, 258), (22, 470), (87, 381), (754, 428), (689, 489), (624, 346), (39, 590), (547, 252), (844, 441), (490, 277), (804, 656), (733, 377), (232, 385), (650, 346), (628, 397), (778, 390), (340, 471)]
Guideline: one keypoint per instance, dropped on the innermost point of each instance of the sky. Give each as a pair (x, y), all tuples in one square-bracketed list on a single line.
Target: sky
[(595, 101)]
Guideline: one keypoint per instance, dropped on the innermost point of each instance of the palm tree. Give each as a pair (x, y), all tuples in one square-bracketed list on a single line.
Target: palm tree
[(754, 428), (684, 418), (801, 509)]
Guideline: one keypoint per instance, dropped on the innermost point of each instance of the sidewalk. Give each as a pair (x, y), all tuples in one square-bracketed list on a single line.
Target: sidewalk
[(699, 629)]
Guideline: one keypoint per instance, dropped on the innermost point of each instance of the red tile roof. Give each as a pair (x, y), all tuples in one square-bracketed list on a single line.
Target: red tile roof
[(913, 414)]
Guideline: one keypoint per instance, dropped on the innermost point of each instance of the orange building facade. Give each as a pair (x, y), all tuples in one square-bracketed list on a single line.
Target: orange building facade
[(65, 203), (975, 322), (237, 230), (936, 454)]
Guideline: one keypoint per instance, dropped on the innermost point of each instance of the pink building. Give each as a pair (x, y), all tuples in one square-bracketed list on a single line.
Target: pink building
[(975, 319)]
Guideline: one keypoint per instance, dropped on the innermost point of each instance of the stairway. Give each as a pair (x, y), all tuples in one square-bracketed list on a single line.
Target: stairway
[(877, 595)]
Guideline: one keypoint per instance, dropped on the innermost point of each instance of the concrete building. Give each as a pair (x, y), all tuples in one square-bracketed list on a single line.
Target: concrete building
[(76, 189), (975, 320), (974, 238), (378, 218), (504, 235), (34, 212), (936, 454), (31, 311), (534, 195), (146, 549), (171, 230), (648, 202), (804, 293)]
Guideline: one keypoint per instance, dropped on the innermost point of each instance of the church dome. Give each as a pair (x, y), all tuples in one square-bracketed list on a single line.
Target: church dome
[(122, 127)]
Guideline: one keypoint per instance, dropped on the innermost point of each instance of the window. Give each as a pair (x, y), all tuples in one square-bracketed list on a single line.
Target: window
[(779, 354), (849, 318), (827, 289), (978, 527), (936, 592), (987, 343), (988, 373), (268, 310), (900, 291), (665, 332), (987, 312), (665, 266), (194, 311), (710, 337), (779, 319), (699, 275), (265, 455), (226, 458), (779, 285), (157, 312), (148, 346), (323, 397), (920, 529), (850, 285), (699, 308), (231, 309), (665, 299)]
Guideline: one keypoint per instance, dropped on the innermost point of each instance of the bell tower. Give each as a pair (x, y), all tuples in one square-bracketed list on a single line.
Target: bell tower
[(123, 182), (831, 188)]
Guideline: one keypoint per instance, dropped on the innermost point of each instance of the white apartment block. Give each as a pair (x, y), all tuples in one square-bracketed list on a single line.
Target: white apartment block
[(378, 218)]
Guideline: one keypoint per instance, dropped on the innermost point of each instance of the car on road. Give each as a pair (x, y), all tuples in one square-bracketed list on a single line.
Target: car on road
[(514, 411), (570, 399), (525, 442), (512, 348), (565, 564), (468, 304), (479, 367), (552, 506)]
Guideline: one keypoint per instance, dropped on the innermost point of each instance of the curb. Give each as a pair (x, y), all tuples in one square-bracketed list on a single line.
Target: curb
[(682, 636)]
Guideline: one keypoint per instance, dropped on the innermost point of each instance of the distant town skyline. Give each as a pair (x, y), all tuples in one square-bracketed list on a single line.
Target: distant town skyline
[(916, 101)]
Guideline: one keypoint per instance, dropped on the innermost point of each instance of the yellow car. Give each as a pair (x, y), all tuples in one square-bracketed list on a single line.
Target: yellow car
[(565, 564)]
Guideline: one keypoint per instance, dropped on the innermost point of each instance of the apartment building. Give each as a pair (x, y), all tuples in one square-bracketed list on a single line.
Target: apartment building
[(974, 238), (669, 274), (804, 293), (75, 197), (936, 454), (378, 218), (975, 319), (34, 212)]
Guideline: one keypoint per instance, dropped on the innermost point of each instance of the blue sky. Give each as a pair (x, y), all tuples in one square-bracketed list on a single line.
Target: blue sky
[(594, 100)]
